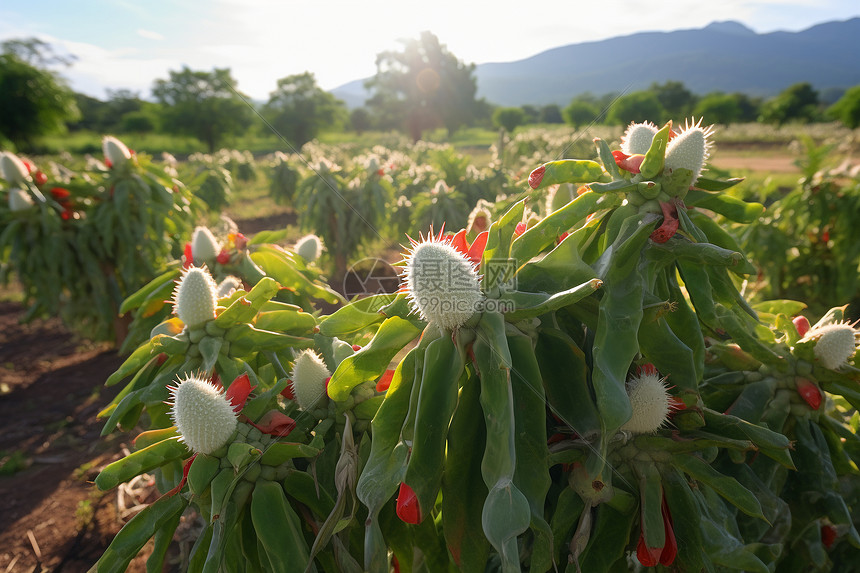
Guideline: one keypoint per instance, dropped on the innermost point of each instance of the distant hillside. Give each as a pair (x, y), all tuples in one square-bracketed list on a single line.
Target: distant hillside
[(724, 56)]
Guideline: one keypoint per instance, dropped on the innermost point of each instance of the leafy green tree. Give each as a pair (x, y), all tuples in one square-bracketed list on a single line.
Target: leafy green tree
[(202, 104), (423, 87), (580, 112), (847, 109), (636, 106), (299, 109), (798, 102), (34, 101), (551, 114), (719, 108), (531, 113), (137, 122), (360, 120), (675, 98), (509, 118)]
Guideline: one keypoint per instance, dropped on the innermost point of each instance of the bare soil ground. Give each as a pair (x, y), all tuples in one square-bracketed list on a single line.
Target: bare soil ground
[(51, 387)]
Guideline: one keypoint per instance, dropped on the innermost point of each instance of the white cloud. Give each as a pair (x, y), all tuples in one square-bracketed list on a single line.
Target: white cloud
[(149, 34)]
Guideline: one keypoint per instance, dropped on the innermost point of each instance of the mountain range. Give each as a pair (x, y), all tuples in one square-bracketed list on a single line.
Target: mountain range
[(723, 56)]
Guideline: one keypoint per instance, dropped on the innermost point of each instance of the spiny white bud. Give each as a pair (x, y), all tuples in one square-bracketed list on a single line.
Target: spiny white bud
[(12, 168), (194, 297), (440, 188), (310, 377), (19, 200), (650, 400), (309, 248), (442, 284), (204, 418), (689, 148), (835, 344), (115, 150), (638, 137), (204, 245), (228, 286)]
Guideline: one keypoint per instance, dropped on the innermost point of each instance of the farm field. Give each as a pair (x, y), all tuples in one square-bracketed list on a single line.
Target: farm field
[(52, 371)]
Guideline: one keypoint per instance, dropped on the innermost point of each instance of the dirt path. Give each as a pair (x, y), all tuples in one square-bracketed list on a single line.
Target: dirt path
[(768, 163), (51, 387)]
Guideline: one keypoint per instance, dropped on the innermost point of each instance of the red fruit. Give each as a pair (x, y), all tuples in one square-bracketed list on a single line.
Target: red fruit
[(30, 167), (356, 347), (407, 505), (66, 215), (801, 323), (380, 172), (828, 535), (223, 257), (40, 178), (825, 236), (521, 228), (536, 176), (809, 392)]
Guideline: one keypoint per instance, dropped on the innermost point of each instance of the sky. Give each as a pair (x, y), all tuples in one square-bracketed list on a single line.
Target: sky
[(126, 44)]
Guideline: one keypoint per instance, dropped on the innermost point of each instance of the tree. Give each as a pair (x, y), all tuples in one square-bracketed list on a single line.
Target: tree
[(675, 98), (360, 120), (636, 106), (202, 104), (299, 108), (35, 101), (551, 113), (137, 122), (580, 112), (531, 113), (798, 102), (718, 107), (847, 109), (509, 118), (422, 87)]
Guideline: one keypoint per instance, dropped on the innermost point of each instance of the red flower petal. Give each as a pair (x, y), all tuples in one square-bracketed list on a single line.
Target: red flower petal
[(356, 347), (536, 176), (289, 393), (40, 178), (828, 535), (223, 257), (520, 229), (647, 556), (275, 423), (670, 223), (476, 251), (647, 369), (189, 258), (59, 193), (185, 470), (407, 505), (385, 381), (630, 163), (670, 549), (237, 393), (459, 242)]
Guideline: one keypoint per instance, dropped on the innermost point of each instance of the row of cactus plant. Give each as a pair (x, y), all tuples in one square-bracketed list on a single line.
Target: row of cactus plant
[(581, 386)]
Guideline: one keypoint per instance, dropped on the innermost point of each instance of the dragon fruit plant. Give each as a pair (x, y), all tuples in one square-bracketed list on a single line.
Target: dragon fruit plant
[(245, 457), (800, 380), (242, 260), (85, 246), (558, 317), (438, 206), (285, 179)]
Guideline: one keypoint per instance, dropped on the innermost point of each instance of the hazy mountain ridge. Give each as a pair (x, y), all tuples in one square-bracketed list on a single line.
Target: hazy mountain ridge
[(723, 56)]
